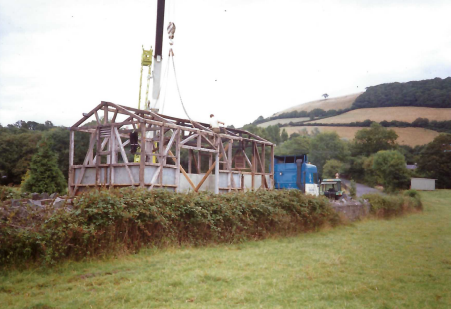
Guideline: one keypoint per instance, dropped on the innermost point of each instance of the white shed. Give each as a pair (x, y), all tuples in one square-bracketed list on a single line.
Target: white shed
[(424, 184)]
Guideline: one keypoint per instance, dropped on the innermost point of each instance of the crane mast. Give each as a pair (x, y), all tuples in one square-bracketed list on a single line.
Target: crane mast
[(158, 57)]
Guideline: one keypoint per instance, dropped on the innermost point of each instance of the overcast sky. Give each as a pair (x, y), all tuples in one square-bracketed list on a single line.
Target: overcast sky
[(238, 59)]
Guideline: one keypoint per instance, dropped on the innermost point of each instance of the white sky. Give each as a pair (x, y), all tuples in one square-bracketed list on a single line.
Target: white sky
[(238, 59)]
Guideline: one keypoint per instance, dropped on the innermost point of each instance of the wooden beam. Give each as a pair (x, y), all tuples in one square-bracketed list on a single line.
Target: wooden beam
[(114, 116), (113, 158), (262, 167), (199, 149), (177, 163), (88, 115), (105, 115), (254, 166), (207, 140), (171, 141), (216, 175), (162, 160), (183, 171), (143, 155), (155, 177), (124, 155), (247, 159), (98, 158), (196, 160), (218, 157), (188, 139), (97, 118), (271, 177)]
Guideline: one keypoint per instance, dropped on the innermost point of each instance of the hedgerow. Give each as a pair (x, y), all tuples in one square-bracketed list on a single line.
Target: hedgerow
[(393, 205), (110, 221)]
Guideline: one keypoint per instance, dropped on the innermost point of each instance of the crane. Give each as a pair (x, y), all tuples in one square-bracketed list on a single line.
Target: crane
[(147, 61)]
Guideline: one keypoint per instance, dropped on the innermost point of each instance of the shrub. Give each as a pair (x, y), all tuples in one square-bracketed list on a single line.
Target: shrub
[(412, 193), (8, 193), (392, 205), (106, 222), (44, 176), (353, 189)]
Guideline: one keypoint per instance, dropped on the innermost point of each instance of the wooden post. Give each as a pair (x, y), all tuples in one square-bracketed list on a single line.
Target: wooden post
[(162, 154), (254, 166), (229, 165), (177, 156), (189, 161), (105, 114), (263, 166), (112, 155), (271, 177), (98, 157), (199, 145), (71, 162), (216, 173), (142, 164)]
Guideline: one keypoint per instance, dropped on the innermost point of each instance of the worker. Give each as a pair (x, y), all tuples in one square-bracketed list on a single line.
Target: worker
[(214, 124)]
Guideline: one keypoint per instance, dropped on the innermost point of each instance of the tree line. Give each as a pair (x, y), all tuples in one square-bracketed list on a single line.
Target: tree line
[(426, 93), (373, 157), (425, 123), (359, 159)]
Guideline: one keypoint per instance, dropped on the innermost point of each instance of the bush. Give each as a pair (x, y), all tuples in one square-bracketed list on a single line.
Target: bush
[(44, 176), (412, 193), (106, 222), (7, 193), (353, 189), (392, 205)]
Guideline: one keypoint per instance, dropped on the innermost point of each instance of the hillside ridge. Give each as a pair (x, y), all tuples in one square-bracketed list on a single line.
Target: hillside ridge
[(341, 102)]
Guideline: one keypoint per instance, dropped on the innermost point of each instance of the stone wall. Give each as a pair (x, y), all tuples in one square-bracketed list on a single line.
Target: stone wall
[(352, 210)]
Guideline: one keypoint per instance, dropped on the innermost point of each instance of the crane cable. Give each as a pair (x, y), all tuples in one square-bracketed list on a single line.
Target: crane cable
[(178, 89)]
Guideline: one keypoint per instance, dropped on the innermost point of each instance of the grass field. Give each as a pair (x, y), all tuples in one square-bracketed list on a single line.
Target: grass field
[(331, 103), (407, 114), (398, 263), (407, 136)]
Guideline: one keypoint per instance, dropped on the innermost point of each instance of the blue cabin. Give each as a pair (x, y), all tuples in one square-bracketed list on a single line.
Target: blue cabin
[(293, 172)]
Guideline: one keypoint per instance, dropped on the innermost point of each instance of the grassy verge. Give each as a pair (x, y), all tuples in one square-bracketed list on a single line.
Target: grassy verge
[(399, 263)]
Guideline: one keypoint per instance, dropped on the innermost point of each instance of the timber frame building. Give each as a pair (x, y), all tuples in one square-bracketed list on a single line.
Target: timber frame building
[(241, 160)]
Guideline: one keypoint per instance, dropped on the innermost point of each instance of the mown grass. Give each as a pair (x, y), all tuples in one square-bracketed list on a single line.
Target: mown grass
[(398, 263)]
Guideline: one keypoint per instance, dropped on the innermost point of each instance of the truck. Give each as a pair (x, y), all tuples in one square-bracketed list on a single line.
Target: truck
[(295, 172)]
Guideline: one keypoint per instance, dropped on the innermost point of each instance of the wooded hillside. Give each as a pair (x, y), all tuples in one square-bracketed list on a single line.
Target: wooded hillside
[(427, 93)]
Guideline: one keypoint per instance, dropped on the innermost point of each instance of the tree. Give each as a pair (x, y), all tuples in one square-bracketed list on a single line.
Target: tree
[(326, 146), (325, 95), (390, 168), (294, 146), (58, 139), (273, 133), (45, 176), (374, 139), (435, 161), (284, 136), (16, 151), (332, 167)]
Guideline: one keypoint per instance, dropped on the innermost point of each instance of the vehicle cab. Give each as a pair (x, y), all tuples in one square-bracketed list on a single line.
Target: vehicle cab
[(331, 188)]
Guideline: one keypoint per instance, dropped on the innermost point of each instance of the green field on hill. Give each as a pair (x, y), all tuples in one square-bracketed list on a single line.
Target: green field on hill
[(399, 263)]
